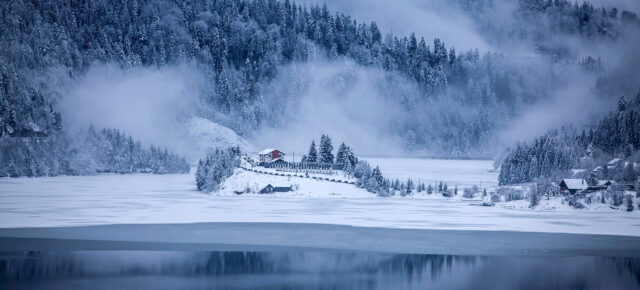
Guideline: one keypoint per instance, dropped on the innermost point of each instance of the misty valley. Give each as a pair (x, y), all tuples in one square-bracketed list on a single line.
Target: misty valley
[(275, 144)]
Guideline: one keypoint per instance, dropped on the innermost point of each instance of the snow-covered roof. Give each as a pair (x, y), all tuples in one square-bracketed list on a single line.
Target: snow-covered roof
[(575, 183), (604, 182), (275, 160), (614, 161), (266, 151)]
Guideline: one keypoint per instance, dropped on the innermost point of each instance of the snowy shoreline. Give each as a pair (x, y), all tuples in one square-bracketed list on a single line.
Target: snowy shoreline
[(155, 199), (313, 237)]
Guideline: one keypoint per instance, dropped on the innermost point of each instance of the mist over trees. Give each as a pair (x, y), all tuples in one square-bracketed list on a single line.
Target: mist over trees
[(105, 151), (462, 97), (616, 135)]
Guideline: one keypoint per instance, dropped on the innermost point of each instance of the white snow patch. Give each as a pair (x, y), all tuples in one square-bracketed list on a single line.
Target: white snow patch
[(207, 135), (303, 187)]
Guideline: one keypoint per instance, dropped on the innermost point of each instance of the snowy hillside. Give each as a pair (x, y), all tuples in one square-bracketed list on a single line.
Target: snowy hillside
[(206, 135)]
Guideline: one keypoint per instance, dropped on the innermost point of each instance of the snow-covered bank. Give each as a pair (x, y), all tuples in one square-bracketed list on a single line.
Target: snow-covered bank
[(143, 198)]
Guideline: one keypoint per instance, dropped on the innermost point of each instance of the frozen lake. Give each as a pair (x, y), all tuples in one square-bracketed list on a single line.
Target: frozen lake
[(151, 199), (463, 173)]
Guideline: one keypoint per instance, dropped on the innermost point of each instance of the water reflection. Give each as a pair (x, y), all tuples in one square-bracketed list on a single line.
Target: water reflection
[(309, 270)]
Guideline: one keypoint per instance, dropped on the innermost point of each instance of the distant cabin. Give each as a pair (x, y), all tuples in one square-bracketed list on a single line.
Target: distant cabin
[(271, 189), (270, 155), (572, 186), (602, 185)]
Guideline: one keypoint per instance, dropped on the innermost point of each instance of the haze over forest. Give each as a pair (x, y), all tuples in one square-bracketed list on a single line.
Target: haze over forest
[(447, 78)]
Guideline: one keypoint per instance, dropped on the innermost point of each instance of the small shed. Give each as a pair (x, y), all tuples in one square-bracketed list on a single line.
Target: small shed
[(573, 185), (267, 189), (271, 189), (283, 188)]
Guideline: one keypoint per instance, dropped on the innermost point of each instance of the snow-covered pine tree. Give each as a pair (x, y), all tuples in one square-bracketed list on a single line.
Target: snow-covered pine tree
[(628, 201), (534, 199), (326, 150), (592, 180), (410, 186), (341, 155), (312, 156)]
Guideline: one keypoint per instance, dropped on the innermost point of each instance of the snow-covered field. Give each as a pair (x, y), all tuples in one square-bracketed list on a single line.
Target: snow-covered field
[(463, 173), (144, 198)]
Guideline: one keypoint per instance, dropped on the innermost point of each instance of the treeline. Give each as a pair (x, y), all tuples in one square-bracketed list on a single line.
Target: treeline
[(550, 17), (216, 167), (373, 181), (345, 159), (552, 155), (108, 150)]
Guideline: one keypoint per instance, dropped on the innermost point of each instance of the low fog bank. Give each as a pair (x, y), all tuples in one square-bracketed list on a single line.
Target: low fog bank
[(428, 19), (157, 106), (490, 29), (348, 102), (144, 102)]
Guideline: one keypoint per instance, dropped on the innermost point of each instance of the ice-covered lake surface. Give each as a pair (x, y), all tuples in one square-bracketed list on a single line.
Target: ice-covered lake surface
[(145, 198), (464, 173)]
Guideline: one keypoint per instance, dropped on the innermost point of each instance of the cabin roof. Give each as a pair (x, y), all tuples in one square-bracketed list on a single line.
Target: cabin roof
[(614, 161), (604, 182), (266, 151), (575, 183)]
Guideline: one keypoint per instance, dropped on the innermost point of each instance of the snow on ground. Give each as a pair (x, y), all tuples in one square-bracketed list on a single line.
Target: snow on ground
[(145, 198), (304, 187), (463, 173), (337, 175)]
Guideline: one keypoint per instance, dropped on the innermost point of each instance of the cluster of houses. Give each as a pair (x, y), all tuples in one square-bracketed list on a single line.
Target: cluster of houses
[(579, 185)]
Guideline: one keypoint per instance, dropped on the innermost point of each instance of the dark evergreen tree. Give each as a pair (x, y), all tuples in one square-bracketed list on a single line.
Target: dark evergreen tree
[(628, 200), (326, 150), (341, 155), (216, 167), (312, 156), (592, 180)]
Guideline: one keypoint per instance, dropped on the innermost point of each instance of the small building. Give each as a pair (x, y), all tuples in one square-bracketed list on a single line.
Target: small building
[(605, 183), (268, 155), (267, 189), (271, 189), (573, 185), (601, 185)]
